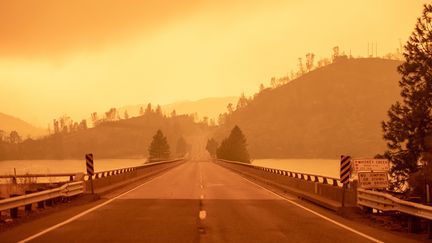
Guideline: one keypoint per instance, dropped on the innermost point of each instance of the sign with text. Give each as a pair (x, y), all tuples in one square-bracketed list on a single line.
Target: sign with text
[(371, 165), (369, 180)]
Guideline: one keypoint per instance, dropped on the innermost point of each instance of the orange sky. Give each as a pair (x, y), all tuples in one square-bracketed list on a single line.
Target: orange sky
[(76, 57)]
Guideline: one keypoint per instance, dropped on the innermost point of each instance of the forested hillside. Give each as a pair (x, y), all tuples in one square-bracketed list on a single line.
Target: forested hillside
[(110, 139), (333, 110)]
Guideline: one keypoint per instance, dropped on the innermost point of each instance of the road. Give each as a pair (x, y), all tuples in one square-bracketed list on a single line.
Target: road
[(199, 202)]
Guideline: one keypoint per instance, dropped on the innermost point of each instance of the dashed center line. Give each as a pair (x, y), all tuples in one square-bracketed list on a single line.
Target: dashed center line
[(202, 214)]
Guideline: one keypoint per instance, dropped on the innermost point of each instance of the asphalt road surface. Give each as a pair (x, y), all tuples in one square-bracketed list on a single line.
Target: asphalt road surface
[(200, 201)]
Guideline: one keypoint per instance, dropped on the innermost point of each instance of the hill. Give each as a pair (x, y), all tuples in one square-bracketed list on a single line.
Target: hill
[(9, 123), (127, 138), (333, 110)]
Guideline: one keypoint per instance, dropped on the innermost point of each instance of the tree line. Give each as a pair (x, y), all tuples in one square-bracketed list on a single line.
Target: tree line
[(234, 147), (159, 148), (117, 139)]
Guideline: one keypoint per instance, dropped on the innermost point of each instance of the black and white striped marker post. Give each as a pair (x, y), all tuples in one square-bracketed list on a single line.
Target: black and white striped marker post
[(90, 169), (345, 171)]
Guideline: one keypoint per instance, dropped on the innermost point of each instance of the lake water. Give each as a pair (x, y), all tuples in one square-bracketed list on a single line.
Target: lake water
[(323, 167), (63, 166)]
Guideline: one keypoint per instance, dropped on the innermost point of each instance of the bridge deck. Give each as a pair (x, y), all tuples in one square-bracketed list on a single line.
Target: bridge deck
[(201, 202)]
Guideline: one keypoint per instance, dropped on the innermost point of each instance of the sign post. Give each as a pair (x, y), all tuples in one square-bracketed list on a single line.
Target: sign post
[(90, 169), (345, 171)]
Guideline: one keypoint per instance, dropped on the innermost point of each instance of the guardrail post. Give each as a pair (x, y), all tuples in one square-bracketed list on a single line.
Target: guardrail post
[(14, 211), (413, 224), (40, 204), (49, 202), (353, 188), (91, 184), (430, 229), (28, 207), (0, 211)]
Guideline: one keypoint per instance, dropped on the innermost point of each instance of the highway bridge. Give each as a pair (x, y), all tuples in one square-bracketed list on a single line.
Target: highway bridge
[(197, 201)]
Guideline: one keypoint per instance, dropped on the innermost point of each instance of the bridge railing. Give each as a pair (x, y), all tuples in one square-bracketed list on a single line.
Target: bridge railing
[(358, 197), (72, 176), (107, 173), (101, 179), (323, 190), (386, 202), (66, 190), (64, 176), (299, 175)]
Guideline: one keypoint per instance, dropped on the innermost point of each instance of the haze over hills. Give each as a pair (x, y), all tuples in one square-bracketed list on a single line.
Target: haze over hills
[(9, 123), (127, 138), (334, 110), (208, 107)]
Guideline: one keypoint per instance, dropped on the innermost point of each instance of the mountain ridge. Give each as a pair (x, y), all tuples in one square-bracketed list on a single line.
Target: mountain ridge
[(333, 110), (209, 107), (10, 123)]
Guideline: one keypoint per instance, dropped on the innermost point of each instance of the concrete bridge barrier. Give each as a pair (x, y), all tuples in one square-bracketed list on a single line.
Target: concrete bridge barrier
[(324, 191), (105, 181)]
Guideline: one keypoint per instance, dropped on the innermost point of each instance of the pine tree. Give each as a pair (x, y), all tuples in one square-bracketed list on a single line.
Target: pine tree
[(410, 120), (234, 147), (211, 147), (159, 148)]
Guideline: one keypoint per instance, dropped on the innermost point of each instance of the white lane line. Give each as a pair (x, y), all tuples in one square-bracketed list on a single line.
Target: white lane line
[(202, 214), (84, 213), (200, 177), (317, 214)]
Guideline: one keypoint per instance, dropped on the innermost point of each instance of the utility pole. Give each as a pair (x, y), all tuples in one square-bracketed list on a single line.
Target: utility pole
[(367, 54), (376, 49)]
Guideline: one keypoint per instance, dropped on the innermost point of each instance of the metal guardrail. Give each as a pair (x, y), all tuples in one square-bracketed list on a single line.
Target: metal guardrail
[(98, 174), (102, 174), (303, 176), (37, 175), (385, 202), (66, 190), (13, 178)]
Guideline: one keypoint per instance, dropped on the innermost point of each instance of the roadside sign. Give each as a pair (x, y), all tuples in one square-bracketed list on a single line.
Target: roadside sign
[(89, 164), (345, 168), (370, 180), (371, 165)]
